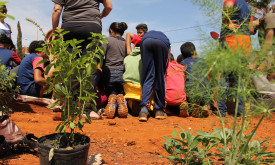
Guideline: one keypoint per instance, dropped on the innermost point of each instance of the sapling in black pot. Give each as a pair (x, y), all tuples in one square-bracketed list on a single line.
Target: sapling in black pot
[(72, 83)]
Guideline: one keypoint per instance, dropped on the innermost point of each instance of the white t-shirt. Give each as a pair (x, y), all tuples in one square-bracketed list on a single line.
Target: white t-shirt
[(4, 26)]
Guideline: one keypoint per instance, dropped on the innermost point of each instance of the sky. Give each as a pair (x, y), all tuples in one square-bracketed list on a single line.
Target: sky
[(175, 18)]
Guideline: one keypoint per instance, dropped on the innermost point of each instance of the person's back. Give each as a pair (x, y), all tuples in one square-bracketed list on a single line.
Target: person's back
[(196, 81), (133, 67), (30, 73), (80, 10), (25, 73), (175, 84), (6, 57), (115, 53)]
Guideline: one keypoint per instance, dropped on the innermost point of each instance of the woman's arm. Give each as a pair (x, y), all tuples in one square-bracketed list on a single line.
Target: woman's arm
[(57, 10), (107, 8)]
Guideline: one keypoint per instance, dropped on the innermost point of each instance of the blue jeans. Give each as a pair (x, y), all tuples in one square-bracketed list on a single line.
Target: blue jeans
[(113, 81)]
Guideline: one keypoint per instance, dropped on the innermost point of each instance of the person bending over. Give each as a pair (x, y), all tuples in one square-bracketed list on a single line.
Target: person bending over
[(155, 50)]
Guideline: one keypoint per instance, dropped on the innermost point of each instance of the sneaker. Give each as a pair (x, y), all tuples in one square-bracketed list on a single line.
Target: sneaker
[(184, 110), (160, 114), (111, 106), (205, 111), (143, 114), (196, 111), (122, 107)]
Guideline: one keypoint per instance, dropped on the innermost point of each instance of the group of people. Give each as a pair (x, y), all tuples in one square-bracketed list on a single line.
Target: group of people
[(139, 74)]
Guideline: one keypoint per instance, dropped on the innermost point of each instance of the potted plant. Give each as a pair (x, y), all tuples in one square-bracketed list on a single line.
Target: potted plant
[(73, 88)]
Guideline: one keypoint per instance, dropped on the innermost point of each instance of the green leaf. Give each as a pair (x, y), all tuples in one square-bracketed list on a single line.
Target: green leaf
[(169, 140), (174, 134), (72, 125)]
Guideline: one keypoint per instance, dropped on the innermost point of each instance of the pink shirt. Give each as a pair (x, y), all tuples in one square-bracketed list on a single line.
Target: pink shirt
[(35, 61)]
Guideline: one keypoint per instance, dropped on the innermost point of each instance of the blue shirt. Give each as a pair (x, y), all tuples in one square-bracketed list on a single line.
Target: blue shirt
[(25, 74), (192, 74), (242, 16), (6, 57)]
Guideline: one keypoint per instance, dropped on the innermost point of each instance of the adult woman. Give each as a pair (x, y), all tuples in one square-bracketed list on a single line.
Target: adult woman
[(80, 17)]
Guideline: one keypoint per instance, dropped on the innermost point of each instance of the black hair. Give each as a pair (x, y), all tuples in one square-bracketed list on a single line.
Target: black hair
[(179, 58), (187, 49), (118, 27), (3, 9), (6, 41), (171, 57), (143, 27), (34, 45)]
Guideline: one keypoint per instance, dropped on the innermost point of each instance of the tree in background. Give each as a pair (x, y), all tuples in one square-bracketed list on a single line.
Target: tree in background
[(19, 42)]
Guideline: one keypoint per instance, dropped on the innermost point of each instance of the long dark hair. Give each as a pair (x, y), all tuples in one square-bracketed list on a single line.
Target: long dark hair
[(118, 27)]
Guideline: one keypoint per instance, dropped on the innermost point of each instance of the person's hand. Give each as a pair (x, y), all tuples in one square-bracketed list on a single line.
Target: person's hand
[(233, 26)]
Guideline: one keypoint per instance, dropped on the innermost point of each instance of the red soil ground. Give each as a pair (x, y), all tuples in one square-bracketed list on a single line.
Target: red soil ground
[(128, 141)]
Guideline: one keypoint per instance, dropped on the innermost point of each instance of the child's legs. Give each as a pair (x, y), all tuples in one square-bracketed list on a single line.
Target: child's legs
[(148, 70), (161, 52)]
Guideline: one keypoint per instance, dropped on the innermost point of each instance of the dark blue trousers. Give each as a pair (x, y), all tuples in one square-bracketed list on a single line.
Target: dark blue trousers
[(154, 56), (224, 83)]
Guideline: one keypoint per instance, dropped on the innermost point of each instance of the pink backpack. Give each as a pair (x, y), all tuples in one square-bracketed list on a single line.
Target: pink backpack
[(175, 84)]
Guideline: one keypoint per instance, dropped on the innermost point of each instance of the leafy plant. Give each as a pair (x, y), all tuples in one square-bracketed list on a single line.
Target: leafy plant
[(185, 148), (73, 80), (233, 146), (188, 148), (7, 89)]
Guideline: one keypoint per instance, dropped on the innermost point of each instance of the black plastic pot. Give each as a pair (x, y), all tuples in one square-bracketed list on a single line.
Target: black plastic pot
[(77, 156)]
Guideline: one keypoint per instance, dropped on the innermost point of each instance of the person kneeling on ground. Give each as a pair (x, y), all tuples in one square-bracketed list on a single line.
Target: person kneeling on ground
[(191, 63), (175, 89), (30, 74), (112, 70)]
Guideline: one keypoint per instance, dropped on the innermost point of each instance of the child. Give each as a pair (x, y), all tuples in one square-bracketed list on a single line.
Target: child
[(135, 39), (6, 54), (133, 70), (155, 49), (115, 52), (191, 62), (175, 88), (29, 74)]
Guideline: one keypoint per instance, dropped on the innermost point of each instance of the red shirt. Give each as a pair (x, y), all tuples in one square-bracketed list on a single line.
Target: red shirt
[(15, 58), (136, 39), (175, 84)]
